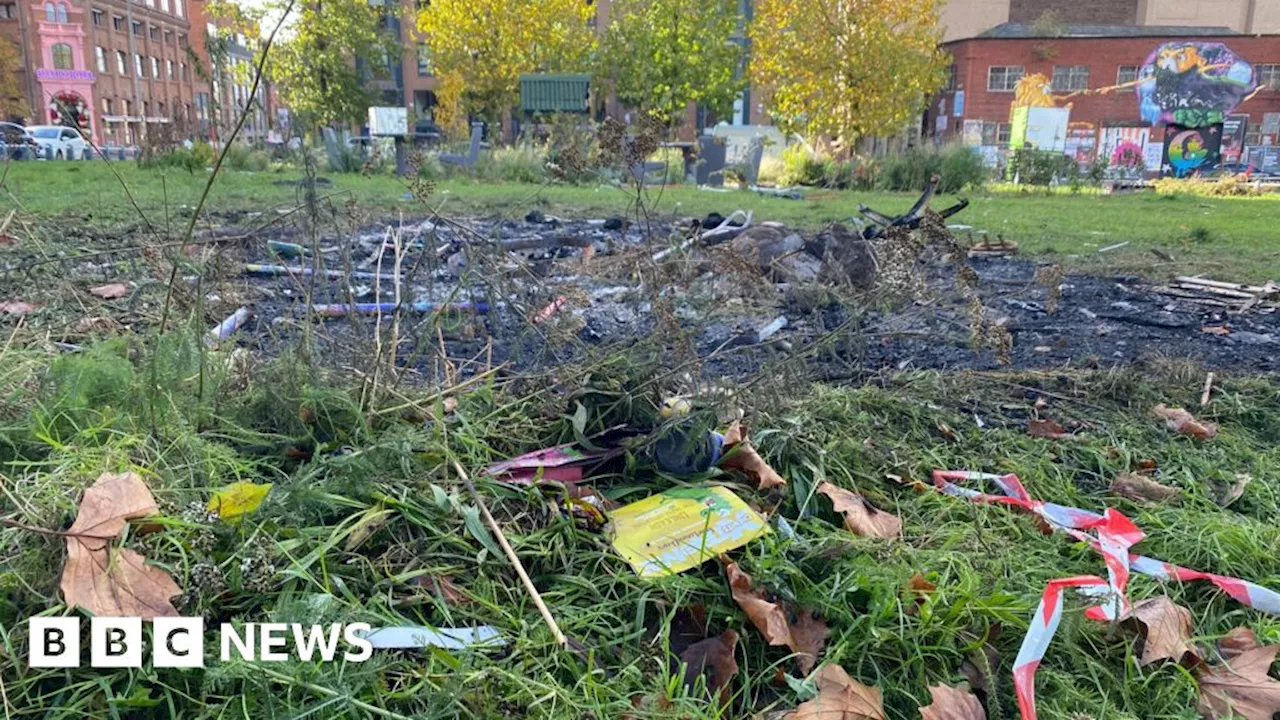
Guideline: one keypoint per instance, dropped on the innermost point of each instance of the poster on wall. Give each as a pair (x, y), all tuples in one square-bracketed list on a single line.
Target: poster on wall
[(973, 132), (1153, 156), (1082, 142), (1271, 123), (1193, 84), (1265, 159), (1047, 128), (958, 110), (1190, 150), (1126, 151), (1233, 132)]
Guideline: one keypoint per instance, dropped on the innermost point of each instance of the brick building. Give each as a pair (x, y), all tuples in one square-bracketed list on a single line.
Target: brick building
[(969, 18), (975, 108)]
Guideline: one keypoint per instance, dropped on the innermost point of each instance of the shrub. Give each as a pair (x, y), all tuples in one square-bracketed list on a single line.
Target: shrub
[(244, 157), (1228, 186), (524, 163), (1044, 167), (193, 159), (959, 167)]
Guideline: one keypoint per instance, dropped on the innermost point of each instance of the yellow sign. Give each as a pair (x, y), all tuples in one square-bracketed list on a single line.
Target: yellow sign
[(681, 528)]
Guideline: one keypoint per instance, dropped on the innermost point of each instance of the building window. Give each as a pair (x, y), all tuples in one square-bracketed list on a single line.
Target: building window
[(1070, 78), (1125, 75), (168, 37), (168, 69), (1269, 76), (61, 13), (949, 81), (48, 12), (128, 107), (120, 62), (8, 11), (182, 40), (100, 56), (160, 109), (61, 56), (137, 27), (178, 9), (97, 17), (153, 32), (1004, 78), (137, 65), (182, 69), (164, 5), (106, 106), (117, 22), (146, 108), (155, 68), (424, 59), (1004, 133)]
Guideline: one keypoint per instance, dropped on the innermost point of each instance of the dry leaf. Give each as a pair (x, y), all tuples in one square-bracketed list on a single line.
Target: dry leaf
[(947, 432), (1241, 687), (1146, 466), (952, 703), (238, 499), (10, 307), (1143, 489), (840, 697), (919, 589), (1236, 491), (1237, 640), (859, 516), (1168, 629), (111, 583), (916, 485), (806, 637), (712, 658), (1216, 330), (443, 586), (110, 291), (1047, 429), (739, 455), (1181, 421)]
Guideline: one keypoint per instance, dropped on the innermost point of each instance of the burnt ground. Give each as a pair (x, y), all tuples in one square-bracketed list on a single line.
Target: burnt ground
[(696, 301)]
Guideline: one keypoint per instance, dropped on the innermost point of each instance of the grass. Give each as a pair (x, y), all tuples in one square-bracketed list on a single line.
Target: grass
[(343, 537), (1226, 238)]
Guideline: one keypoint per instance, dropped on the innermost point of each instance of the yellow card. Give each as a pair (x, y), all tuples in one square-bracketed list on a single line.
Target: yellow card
[(681, 528)]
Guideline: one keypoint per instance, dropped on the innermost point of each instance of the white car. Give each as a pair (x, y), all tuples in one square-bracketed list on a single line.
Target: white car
[(58, 143)]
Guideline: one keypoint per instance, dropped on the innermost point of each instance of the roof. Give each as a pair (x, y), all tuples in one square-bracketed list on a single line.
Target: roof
[(1010, 31)]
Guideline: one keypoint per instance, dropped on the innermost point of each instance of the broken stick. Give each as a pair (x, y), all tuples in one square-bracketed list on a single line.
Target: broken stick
[(1208, 388)]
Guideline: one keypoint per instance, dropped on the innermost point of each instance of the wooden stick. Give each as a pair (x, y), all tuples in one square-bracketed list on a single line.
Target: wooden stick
[(511, 555), (1208, 388)]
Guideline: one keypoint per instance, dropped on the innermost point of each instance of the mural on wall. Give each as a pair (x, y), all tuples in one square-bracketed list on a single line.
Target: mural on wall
[(1034, 90), (1082, 142), (1188, 150), (1193, 84), (1124, 148), (1036, 120)]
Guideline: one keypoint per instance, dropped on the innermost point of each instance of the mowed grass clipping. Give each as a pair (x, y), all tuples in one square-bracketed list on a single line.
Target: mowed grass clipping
[(1234, 239), (375, 526)]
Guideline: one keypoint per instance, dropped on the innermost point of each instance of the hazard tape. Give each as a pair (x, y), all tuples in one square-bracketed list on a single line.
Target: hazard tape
[(1111, 534)]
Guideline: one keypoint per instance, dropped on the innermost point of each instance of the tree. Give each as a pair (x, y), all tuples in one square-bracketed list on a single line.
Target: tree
[(661, 55), (13, 99), (847, 68), (481, 47), (315, 69)]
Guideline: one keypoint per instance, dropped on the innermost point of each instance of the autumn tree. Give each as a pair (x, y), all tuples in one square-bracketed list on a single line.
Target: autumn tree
[(13, 99), (847, 68), (662, 55), (315, 67), (479, 48)]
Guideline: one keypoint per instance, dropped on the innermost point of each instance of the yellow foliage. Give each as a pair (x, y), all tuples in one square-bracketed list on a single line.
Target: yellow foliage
[(490, 43), (449, 113), (238, 498), (1033, 90), (847, 69)]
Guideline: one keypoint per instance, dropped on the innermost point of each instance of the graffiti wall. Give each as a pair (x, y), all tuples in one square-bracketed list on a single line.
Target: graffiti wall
[(1188, 150), (1193, 84)]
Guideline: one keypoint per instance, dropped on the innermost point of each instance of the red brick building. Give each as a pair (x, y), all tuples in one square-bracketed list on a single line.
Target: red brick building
[(975, 108)]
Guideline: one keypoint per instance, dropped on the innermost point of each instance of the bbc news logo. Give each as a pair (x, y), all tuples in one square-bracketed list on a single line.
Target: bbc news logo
[(178, 642)]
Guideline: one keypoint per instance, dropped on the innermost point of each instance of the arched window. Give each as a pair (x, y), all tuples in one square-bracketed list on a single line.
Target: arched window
[(49, 13), (62, 57), (62, 13)]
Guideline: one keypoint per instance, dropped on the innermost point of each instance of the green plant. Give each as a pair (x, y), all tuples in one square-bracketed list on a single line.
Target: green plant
[(523, 163), (1043, 167), (1200, 235), (957, 166), (244, 157), (193, 159)]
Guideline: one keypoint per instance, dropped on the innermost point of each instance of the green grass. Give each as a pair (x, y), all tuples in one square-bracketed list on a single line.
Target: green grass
[(1227, 238), (62, 423)]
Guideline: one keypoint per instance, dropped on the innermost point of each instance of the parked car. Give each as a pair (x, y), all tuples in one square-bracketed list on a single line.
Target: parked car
[(16, 143), (64, 142)]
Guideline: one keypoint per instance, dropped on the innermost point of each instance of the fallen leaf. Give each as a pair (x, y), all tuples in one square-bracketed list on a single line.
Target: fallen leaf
[(916, 485), (805, 638), (1236, 491), (450, 404), (740, 455), (1241, 687), (1181, 421), (110, 291), (919, 589), (1143, 489), (1236, 641), (95, 324), (712, 658), (443, 586), (16, 308), (840, 697), (1047, 429), (238, 498), (952, 703), (859, 516), (946, 432), (1167, 629), (1216, 330), (116, 583), (365, 527), (1146, 466)]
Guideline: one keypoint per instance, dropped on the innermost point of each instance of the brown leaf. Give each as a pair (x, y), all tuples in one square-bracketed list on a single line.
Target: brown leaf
[(110, 291), (115, 583), (442, 586), (859, 516), (713, 658), (1146, 466), (1216, 330), (1181, 421), (1167, 629), (947, 432), (952, 703), (918, 590), (1236, 491), (1047, 429), (805, 638), (1241, 687), (12, 307), (840, 697), (741, 456), (1143, 489), (1236, 641)]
